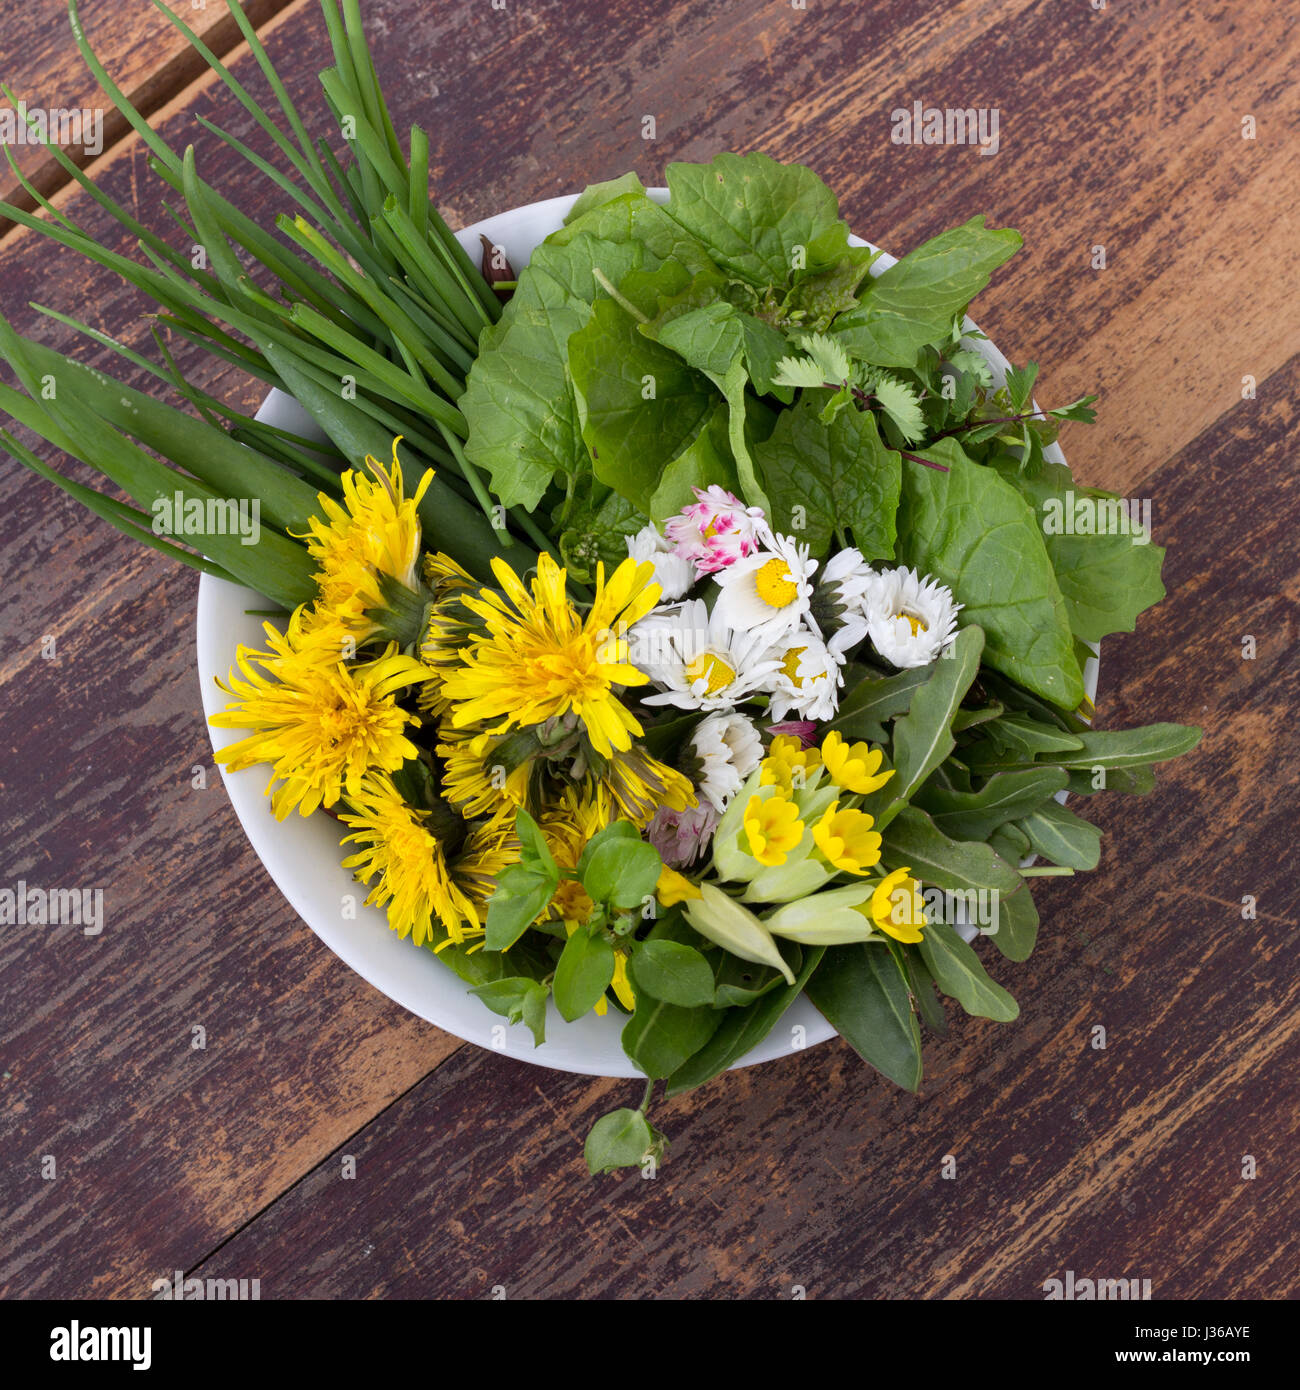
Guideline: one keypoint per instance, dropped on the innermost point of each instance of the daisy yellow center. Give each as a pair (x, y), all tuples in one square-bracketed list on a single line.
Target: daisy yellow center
[(775, 586), (790, 666), (917, 625), (712, 670)]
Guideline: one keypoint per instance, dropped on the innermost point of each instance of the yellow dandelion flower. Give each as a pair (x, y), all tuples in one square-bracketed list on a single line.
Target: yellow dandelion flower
[(896, 906), (474, 779), (320, 722), (773, 828), (789, 765), (424, 878), (856, 766), (448, 627), (541, 659), (375, 531), (636, 785), (847, 840), (568, 823)]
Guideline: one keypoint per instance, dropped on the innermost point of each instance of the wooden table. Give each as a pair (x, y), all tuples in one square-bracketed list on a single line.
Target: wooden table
[(1121, 125)]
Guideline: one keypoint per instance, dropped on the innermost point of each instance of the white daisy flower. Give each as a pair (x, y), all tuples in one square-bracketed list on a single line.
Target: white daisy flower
[(807, 678), (727, 748), (838, 603), (770, 590), (910, 620), (698, 659), (674, 575)]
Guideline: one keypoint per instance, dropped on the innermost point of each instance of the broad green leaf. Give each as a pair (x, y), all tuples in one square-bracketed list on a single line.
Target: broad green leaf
[(1017, 925), (635, 218), (597, 194), (958, 972), (831, 477), (740, 1030), (1106, 580), (706, 460), (622, 872), (1061, 836), (524, 428), (521, 895), (864, 994), (973, 531), (620, 1139), (659, 1037), (517, 999), (640, 403), (673, 972), (753, 213), (915, 301), (585, 968), (928, 1006)]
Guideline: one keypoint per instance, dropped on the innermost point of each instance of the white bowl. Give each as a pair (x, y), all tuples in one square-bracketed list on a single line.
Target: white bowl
[(302, 854)]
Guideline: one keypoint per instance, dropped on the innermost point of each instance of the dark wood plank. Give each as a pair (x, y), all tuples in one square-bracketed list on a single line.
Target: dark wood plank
[(1117, 128), (145, 56), (1116, 1163)]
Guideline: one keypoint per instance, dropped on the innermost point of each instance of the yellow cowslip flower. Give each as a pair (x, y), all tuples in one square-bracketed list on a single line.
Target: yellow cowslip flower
[(789, 765), (320, 722), (673, 888), (375, 531), (856, 766), (540, 659), (425, 877), (847, 840), (773, 828), (896, 907)]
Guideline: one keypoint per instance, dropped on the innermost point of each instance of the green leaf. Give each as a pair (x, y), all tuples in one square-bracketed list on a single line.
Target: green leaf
[(1061, 836), (622, 872), (923, 736), (519, 403), (635, 218), (1023, 734), (660, 1036), (928, 1006), (616, 830), (535, 852), (900, 402), (740, 1030), (597, 194), (958, 972), (517, 998), (1007, 796), (973, 531), (872, 700), (1106, 580), (583, 973), (864, 994), (704, 461), (673, 972), (521, 895), (1118, 748), (641, 404), (1017, 925), (753, 212), (915, 301), (597, 532), (837, 475), (620, 1139)]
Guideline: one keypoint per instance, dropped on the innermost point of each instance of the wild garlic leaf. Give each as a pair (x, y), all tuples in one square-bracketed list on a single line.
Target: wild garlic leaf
[(919, 299), (974, 532)]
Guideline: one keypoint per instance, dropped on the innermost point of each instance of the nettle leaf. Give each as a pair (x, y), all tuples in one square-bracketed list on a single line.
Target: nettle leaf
[(1105, 580), (836, 475), (753, 212), (799, 372), (915, 301), (829, 357), (902, 404), (973, 364), (524, 428), (973, 531), (639, 403)]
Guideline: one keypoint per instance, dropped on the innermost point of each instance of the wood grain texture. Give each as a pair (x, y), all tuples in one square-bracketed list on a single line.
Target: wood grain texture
[(148, 59), (1120, 128)]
